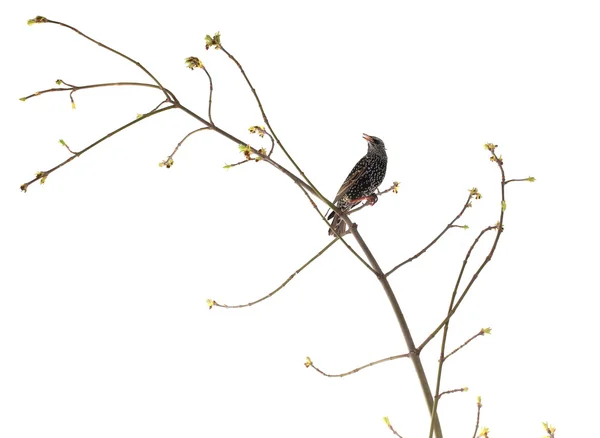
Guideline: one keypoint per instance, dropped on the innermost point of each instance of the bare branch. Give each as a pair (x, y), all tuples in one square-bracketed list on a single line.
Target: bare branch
[(478, 416), (309, 363), (433, 242), (212, 303), (483, 331), (451, 391), (529, 179), (73, 88), (209, 95), (169, 161)]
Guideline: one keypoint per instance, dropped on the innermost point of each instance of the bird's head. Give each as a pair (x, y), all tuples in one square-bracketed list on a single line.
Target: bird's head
[(375, 143)]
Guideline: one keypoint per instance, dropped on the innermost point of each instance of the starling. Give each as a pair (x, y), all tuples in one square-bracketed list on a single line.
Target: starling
[(361, 183)]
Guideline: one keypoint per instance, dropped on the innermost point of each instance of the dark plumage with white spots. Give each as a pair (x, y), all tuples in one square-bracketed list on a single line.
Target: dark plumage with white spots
[(361, 183)]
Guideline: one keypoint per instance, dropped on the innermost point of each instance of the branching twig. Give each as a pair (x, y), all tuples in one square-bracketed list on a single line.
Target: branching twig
[(450, 225), (451, 308), (170, 97), (73, 88), (483, 331), (266, 120), (42, 175), (443, 323), (212, 303), (309, 363)]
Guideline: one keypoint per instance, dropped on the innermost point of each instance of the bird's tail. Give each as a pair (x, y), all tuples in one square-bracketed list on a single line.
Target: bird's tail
[(337, 224)]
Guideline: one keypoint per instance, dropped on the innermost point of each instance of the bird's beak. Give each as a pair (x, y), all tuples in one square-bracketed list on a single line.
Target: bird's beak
[(367, 137)]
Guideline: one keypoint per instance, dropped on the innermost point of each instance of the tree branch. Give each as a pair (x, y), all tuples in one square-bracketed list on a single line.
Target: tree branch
[(433, 242), (309, 363), (212, 303)]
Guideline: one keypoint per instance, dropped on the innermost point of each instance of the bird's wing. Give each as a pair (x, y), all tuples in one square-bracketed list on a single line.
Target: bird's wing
[(351, 179)]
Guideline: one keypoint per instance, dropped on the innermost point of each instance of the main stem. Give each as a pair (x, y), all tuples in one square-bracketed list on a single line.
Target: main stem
[(414, 353)]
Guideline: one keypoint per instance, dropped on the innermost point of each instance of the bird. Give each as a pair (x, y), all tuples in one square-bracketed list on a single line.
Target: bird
[(361, 183)]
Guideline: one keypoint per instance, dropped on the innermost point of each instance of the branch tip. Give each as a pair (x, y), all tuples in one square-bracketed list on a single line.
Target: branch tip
[(193, 62), (37, 20), (214, 41)]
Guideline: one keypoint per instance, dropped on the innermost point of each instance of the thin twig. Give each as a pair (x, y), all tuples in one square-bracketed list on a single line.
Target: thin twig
[(356, 370), (476, 335), (169, 161), (478, 416), (529, 179), (389, 425), (209, 95), (433, 242), (451, 391), (290, 278)]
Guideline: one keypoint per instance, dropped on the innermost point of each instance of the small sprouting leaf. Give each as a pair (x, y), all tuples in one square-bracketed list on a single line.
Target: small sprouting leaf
[(244, 148), (227, 166), (308, 362), (395, 187), (490, 146), (531, 179), (192, 62), (210, 303), (484, 431), (139, 116), (475, 193), (36, 20), (487, 331), (59, 82), (22, 99), (479, 400), (465, 389), (465, 227), (213, 41), (42, 176), (61, 141), (386, 420), (503, 205), (166, 163), (73, 106)]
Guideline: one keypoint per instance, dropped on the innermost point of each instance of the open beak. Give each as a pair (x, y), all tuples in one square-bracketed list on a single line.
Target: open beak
[(367, 137)]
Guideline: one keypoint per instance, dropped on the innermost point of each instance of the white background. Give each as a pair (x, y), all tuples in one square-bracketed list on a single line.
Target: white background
[(104, 329)]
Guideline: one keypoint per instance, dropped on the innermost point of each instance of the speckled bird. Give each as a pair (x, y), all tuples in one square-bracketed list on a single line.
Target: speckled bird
[(361, 183)]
